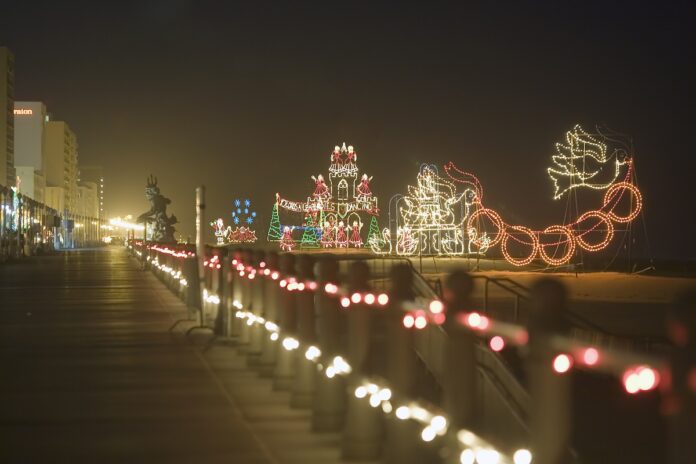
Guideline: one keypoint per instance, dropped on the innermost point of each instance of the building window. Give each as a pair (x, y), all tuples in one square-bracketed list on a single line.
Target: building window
[(343, 190)]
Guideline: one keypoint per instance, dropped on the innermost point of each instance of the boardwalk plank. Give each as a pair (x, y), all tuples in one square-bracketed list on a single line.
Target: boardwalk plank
[(90, 373)]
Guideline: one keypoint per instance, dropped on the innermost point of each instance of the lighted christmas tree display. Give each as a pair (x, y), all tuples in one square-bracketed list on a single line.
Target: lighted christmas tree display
[(373, 234), (381, 244), (310, 238), (274, 233), (243, 217), (320, 224), (338, 209)]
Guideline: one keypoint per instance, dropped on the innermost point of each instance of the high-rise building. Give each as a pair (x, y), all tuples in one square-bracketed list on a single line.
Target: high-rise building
[(7, 170), (95, 174), (54, 197), (87, 200), (60, 168), (30, 119), (31, 183)]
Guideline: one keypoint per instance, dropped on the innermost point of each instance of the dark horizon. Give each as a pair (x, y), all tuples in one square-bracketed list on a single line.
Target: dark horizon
[(250, 99)]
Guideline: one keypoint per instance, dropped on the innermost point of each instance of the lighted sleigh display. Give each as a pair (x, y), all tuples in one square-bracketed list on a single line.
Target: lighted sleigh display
[(447, 217), (334, 214), (431, 218)]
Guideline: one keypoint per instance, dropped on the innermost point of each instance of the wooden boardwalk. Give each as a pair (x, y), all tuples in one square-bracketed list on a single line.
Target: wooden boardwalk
[(90, 373)]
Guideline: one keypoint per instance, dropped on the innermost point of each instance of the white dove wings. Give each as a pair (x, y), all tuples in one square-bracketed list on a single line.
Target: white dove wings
[(582, 162)]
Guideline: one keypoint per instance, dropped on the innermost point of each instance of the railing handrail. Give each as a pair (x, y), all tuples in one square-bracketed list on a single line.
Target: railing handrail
[(581, 322)]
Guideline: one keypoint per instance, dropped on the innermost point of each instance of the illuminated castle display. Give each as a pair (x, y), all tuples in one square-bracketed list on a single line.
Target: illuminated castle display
[(335, 213)]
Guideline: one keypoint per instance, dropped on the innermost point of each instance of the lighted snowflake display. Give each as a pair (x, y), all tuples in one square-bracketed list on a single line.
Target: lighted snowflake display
[(242, 213), (332, 216), (242, 217)]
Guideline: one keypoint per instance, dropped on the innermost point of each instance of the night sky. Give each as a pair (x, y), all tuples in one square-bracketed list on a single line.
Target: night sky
[(250, 99)]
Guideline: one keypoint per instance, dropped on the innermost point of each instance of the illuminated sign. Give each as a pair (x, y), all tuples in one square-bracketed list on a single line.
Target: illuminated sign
[(23, 112)]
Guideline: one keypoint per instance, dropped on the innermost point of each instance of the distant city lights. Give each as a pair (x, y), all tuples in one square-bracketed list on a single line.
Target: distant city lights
[(125, 224)]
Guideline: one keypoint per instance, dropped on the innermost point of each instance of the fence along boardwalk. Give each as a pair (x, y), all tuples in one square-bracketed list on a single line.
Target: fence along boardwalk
[(186, 406), (90, 374)]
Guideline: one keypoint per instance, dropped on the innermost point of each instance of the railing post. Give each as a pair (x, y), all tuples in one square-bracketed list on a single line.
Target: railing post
[(305, 370), (285, 366), (226, 297), (218, 287), (234, 289), (200, 243), (147, 253), (330, 396), (142, 258), (460, 375), (247, 297), (256, 299), (269, 347), (179, 271), (362, 436), (485, 296), (402, 445), (517, 309), (244, 297), (549, 390), (162, 275), (193, 287), (680, 398), (181, 268), (206, 282), (173, 281)]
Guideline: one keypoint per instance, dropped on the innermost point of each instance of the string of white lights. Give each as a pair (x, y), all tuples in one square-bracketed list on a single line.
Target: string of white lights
[(637, 373)]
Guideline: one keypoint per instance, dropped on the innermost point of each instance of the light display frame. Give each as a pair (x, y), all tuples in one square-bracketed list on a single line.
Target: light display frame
[(580, 146), (430, 218), (582, 162)]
